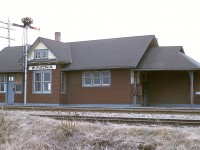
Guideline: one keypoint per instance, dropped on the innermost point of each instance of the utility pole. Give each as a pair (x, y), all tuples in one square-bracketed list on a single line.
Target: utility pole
[(7, 28)]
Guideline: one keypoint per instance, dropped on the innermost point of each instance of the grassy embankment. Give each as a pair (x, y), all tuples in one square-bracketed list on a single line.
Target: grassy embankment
[(21, 131)]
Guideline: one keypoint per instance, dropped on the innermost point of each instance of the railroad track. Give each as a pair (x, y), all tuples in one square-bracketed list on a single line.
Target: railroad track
[(151, 110), (142, 110), (149, 121)]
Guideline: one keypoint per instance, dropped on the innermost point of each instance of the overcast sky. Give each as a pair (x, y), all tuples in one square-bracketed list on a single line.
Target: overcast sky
[(173, 22)]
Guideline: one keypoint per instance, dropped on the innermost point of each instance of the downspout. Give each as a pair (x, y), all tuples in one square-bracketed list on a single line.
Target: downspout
[(191, 73), (135, 87)]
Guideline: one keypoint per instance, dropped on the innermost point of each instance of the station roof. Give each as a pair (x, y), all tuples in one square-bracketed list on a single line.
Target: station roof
[(139, 53), (9, 59), (108, 53), (167, 58)]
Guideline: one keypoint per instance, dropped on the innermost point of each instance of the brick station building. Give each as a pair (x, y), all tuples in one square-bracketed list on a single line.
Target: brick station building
[(129, 71)]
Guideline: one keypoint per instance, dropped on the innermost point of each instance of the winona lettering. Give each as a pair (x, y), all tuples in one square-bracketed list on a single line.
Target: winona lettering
[(42, 67)]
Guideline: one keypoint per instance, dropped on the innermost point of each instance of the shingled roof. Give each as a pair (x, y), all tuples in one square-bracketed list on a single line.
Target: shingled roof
[(140, 52), (108, 53), (9, 59), (167, 58), (59, 49)]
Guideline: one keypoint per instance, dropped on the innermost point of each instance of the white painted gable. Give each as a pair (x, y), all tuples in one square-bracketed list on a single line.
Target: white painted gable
[(40, 45)]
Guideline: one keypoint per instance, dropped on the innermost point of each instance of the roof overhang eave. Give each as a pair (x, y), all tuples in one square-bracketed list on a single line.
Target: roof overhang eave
[(168, 69), (10, 71), (98, 68)]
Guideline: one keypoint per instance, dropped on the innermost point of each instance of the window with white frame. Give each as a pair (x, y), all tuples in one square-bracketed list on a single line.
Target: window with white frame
[(105, 78), (87, 78), (46, 82), (2, 83), (42, 82), (96, 78), (37, 54), (41, 54)]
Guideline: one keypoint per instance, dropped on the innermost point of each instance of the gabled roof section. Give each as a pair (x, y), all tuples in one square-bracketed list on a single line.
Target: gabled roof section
[(9, 59), (167, 58), (59, 49), (108, 53)]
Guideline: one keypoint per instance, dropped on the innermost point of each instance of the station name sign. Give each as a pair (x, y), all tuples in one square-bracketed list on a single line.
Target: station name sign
[(42, 67)]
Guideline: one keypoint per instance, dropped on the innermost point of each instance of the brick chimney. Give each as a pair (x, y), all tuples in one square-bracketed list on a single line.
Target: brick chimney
[(58, 36)]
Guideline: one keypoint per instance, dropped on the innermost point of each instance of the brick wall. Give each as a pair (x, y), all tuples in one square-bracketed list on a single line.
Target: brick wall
[(165, 87), (118, 93), (18, 98), (2, 97), (52, 98)]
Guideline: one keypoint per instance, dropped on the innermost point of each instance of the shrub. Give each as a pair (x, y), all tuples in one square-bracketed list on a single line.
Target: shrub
[(68, 126)]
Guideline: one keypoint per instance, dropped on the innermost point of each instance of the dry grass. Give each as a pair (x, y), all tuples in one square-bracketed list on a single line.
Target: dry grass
[(21, 131), (68, 126)]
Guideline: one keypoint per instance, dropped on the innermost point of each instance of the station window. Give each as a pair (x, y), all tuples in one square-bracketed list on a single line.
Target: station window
[(18, 83), (41, 54), (87, 78), (96, 78), (105, 78), (42, 82), (2, 83)]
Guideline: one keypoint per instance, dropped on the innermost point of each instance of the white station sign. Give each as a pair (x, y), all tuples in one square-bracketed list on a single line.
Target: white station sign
[(42, 67)]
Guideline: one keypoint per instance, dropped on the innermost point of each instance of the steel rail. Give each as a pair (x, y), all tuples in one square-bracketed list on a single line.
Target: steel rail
[(127, 120)]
